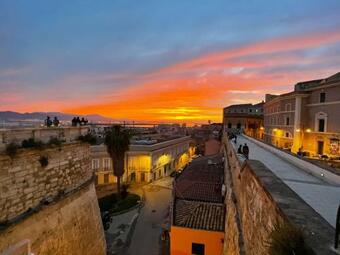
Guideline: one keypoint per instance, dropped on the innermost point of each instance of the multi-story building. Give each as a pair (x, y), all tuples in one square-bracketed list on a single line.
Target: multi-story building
[(306, 119), (244, 118), (145, 161), (197, 208)]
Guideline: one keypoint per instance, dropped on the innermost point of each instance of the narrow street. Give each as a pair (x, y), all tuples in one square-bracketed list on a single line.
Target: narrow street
[(154, 216)]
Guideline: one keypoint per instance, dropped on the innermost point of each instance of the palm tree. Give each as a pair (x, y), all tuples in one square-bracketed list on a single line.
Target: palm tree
[(117, 141)]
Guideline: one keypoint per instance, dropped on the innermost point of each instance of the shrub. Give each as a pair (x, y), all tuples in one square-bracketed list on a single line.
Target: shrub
[(285, 239), (43, 161), (11, 149), (106, 203), (31, 143), (124, 191), (88, 138), (55, 141)]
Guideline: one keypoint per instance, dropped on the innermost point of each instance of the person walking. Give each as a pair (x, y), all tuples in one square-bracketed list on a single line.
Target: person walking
[(239, 150), (245, 150)]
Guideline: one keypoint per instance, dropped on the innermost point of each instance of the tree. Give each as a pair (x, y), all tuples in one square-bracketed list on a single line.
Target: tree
[(117, 141)]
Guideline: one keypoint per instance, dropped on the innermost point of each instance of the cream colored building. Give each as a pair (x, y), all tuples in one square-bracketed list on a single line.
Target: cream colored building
[(307, 119), (144, 162)]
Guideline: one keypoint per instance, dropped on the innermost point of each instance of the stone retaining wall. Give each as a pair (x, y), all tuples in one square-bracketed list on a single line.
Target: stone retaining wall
[(70, 226), (262, 200), (24, 183)]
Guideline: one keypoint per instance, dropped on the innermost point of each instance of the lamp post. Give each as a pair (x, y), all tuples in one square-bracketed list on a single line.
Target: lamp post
[(337, 230)]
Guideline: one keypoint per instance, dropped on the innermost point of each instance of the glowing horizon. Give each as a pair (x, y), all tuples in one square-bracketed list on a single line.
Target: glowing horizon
[(131, 67)]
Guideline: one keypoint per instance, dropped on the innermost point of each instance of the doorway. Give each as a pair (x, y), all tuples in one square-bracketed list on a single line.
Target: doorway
[(320, 147)]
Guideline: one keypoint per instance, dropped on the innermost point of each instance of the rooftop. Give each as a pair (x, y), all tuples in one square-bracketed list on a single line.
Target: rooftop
[(199, 215), (198, 196)]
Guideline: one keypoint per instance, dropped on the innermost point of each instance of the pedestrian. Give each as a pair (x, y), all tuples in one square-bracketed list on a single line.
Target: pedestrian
[(74, 122), (48, 121), (245, 150), (239, 150), (55, 121), (78, 122), (235, 139)]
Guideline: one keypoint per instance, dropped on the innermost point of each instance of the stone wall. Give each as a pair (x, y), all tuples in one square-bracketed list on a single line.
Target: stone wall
[(70, 226), (262, 200), (25, 184)]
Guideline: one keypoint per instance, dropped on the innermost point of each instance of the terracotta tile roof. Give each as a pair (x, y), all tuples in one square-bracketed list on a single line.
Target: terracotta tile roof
[(201, 180), (199, 215), (199, 191)]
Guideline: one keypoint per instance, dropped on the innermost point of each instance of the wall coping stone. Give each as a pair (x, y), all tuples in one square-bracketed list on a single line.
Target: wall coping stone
[(319, 234)]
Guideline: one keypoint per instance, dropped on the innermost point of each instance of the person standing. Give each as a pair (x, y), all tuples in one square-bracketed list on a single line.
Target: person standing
[(245, 150)]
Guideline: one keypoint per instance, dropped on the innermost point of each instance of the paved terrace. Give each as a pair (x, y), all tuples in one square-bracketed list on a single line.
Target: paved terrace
[(319, 193)]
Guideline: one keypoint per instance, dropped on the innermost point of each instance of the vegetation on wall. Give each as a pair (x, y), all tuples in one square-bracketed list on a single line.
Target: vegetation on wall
[(286, 239), (11, 149), (31, 143), (88, 138), (43, 161)]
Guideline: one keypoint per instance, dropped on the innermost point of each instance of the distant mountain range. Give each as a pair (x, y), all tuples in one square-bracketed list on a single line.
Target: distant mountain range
[(10, 116)]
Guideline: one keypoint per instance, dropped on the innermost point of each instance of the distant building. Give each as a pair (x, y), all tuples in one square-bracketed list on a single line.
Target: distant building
[(197, 208), (306, 119), (244, 118), (146, 160)]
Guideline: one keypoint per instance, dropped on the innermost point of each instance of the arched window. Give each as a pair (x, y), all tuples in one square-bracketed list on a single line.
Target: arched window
[(321, 122)]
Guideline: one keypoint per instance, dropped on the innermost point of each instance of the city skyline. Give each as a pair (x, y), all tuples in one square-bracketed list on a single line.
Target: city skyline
[(179, 62)]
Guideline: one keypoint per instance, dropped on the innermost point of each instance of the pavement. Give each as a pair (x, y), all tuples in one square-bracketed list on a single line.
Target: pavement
[(138, 231), (322, 196)]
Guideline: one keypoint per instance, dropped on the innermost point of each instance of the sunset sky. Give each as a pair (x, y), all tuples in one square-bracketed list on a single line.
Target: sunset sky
[(171, 61)]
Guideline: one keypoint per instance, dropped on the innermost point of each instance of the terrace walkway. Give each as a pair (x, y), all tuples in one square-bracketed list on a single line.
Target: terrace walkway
[(320, 194)]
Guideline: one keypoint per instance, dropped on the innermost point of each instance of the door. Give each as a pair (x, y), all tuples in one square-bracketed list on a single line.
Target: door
[(320, 147), (142, 177)]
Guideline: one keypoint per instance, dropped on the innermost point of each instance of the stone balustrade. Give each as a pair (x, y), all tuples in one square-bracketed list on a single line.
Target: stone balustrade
[(44, 134)]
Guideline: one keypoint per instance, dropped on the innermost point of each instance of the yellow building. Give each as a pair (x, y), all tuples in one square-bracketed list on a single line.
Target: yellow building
[(145, 161), (307, 119)]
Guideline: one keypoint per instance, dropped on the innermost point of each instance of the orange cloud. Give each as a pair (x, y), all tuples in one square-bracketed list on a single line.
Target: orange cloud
[(197, 89)]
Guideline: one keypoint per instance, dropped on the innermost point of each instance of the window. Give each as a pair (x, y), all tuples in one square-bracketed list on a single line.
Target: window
[(322, 97), (321, 125), (142, 177), (287, 121), (321, 122), (238, 125), (250, 110), (288, 107), (106, 164), (95, 164), (197, 249), (229, 125)]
